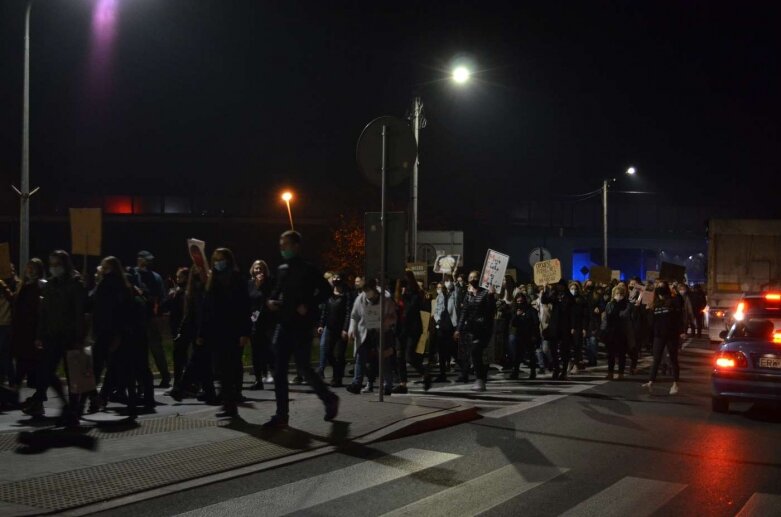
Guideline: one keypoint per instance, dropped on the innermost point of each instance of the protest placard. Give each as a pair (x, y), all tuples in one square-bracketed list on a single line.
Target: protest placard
[(5, 261), (547, 272), (86, 231), (600, 274), (615, 275), (446, 264), (197, 251), (672, 272), (651, 276), (494, 268), (647, 298)]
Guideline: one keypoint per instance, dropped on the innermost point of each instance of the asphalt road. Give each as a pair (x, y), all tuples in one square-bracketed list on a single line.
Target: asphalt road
[(607, 450)]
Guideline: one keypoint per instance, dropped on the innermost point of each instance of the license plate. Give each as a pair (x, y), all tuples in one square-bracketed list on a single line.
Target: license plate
[(767, 362)]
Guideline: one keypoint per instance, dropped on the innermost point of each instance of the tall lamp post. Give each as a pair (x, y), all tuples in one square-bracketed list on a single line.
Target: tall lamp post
[(287, 196), (460, 75), (24, 190), (631, 171)]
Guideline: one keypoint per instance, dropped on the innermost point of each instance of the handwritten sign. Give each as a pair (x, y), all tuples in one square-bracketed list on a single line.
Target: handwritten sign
[(371, 314), (600, 274), (86, 231), (494, 268), (647, 298), (547, 272), (615, 275), (197, 251), (446, 264), (5, 261)]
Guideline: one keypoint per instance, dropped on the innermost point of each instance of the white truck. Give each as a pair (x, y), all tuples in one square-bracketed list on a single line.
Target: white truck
[(744, 257)]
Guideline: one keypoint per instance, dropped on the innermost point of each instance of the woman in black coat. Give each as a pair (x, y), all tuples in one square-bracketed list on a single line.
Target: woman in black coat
[(226, 325), (409, 330), (617, 326)]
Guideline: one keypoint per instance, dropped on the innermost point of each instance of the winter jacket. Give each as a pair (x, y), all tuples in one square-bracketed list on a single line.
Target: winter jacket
[(358, 323), (477, 316), (561, 313), (335, 315), (25, 319), (445, 310), (410, 324), (618, 321), (262, 319), (62, 311), (226, 310), (525, 324), (299, 283)]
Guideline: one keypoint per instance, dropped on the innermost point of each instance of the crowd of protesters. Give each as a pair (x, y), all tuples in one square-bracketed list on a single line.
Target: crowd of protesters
[(524, 331)]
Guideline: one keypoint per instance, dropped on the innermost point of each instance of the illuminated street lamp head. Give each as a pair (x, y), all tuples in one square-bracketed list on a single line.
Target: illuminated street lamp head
[(631, 171), (461, 74), (287, 196)]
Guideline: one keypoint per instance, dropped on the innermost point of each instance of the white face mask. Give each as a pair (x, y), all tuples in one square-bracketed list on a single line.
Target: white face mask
[(449, 285), (619, 297), (573, 291), (439, 291)]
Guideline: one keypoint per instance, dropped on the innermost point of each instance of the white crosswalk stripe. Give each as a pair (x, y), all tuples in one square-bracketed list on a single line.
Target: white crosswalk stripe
[(316, 490), (761, 505), (630, 496), (482, 493)]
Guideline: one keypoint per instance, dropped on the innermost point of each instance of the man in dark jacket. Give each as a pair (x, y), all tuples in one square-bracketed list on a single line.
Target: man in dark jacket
[(299, 291), (475, 325), (334, 324), (560, 328), (153, 288)]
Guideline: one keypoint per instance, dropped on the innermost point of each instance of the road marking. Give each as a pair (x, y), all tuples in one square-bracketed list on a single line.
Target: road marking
[(546, 399), (482, 493), (316, 490), (631, 496), (761, 505)]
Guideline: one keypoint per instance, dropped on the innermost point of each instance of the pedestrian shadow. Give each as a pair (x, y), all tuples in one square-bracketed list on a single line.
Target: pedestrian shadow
[(37, 442), (292, 438)]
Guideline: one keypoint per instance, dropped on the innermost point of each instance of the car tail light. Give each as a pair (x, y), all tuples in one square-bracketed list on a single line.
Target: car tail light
[(775, 297), (739, 316), (729, 360), (776, 337)]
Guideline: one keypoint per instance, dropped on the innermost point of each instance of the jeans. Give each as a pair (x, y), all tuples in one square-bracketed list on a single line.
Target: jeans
[(544, 358), (6, 362), (660, 345), (561, 350), (332, 350), (295, 341), (474, 347), (365, 359)]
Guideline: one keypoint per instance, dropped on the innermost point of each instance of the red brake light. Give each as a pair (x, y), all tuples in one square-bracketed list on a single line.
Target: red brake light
[(739, 311), (729, 360), (775, 297), (777, 337)]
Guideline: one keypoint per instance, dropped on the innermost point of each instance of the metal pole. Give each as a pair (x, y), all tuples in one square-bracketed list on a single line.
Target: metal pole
[(604, 223), (24, 195), (383, 243), (290, 215), (417, 108)]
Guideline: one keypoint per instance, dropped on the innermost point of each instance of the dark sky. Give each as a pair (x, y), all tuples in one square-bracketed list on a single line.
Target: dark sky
[(207, 96)]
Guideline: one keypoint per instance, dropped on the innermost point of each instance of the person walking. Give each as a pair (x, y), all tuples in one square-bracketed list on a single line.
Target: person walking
[(665, 337), (617, 325), (174, 306), (300, 289), (362, 331), (151, 284), (60, 329), (27, 304), (226, 326), (524, 336), (7, 289), (444, 320), (560, 329), (579, 318), (409, 330), (475, 327), (259, 287), (333, 331)]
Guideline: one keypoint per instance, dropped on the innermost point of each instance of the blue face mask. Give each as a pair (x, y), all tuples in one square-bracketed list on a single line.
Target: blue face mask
[(220, 265), (288, 254)]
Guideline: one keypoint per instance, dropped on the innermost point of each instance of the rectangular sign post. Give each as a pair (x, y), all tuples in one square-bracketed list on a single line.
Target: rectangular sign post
[(547, 272), (494, 268)]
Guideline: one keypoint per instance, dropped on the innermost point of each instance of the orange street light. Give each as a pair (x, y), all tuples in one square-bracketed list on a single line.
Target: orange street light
[(287, 196)]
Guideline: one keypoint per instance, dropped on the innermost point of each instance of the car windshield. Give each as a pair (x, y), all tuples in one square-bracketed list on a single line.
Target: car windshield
[(752, 329)]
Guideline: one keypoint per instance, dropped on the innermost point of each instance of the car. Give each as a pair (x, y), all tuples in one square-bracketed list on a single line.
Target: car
[(751, 305), (747, 366)]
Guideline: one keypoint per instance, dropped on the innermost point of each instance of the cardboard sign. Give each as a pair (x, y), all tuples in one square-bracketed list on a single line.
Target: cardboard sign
[(5, 261), (672, 272), (371, 314), (86, 231), (446, 264), (615, 275), (651, 276), (494, 268), (600, 275), (647, 298), (547, 272), (197, 251)]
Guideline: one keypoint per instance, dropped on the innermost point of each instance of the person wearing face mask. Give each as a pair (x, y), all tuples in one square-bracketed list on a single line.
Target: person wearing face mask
[(153, 289), (366, 356), (334, 324), (595, 308), (579, 325), (444, 320), (617, 325), (259, 288), (665, 337), (409, 329), (524, 336), (474, 329), (561, 328), (226, 326), (299, 290), (60, 328), (27, 303)]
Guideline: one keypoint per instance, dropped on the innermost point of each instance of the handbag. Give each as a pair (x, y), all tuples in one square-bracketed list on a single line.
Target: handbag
[(81, 375)]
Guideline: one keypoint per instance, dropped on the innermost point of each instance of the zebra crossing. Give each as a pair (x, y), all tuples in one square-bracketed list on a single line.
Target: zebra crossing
[(505, 397), (629, 495)]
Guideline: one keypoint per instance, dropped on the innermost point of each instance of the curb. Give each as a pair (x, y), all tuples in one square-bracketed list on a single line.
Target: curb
[(408, 427)]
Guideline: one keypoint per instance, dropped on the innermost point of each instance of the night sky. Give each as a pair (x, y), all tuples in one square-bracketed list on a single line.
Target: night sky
[(191, 96)]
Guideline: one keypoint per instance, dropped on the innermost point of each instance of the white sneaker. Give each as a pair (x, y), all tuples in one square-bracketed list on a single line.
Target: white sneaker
[(479, 386), (369, 388), (674, 389), (648, 386)]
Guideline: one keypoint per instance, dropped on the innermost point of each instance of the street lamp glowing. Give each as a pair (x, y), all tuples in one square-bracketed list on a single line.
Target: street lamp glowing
[(461, 74), (287, 197), (631, 171)]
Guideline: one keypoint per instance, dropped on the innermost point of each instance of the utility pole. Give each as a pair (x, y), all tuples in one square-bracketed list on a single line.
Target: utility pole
[(24, 193), (418, 123), (604, 223)]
